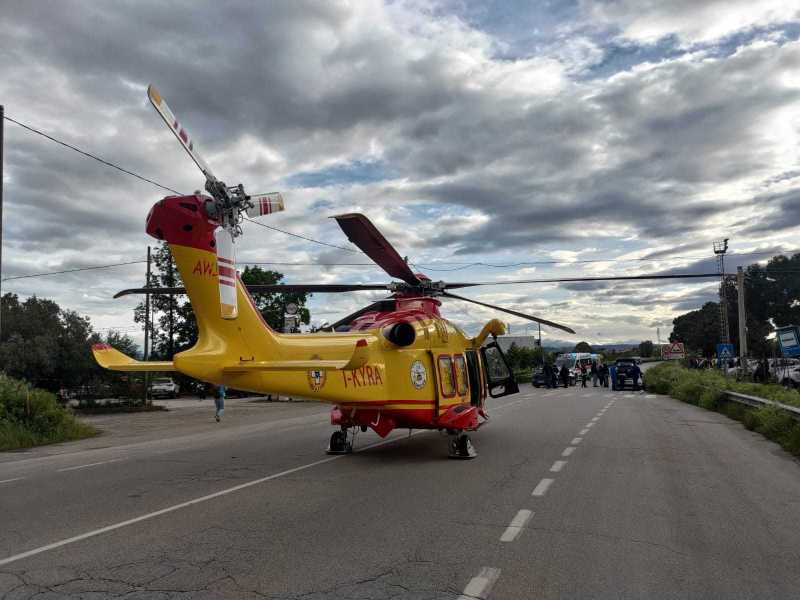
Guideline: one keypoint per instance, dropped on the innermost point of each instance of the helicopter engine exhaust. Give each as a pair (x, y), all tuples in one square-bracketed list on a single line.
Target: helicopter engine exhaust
[(400, 334)]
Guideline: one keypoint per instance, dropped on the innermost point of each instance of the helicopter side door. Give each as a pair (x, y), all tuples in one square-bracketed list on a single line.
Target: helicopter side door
[(499, 377), (474, 373)]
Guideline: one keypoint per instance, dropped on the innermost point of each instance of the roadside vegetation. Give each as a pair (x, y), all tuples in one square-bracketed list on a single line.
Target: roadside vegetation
[(32, 417), (705, 388)]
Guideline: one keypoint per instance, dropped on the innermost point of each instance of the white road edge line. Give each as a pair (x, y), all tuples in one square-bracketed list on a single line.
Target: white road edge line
[(174, 507), (480, 586), (94, 464), (557, 466), (542, 487), (568, 450), (10, 480), (576, 441), (515, 527)]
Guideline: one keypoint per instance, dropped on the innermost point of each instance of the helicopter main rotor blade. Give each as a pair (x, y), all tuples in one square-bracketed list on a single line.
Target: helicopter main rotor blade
[(360, 230), (268, 289), (183, 137), (511, 312), (452, 286)]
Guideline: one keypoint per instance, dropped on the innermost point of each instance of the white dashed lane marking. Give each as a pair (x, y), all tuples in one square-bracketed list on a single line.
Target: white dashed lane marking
[(588, 425), (542, 487), (583, 431), (576, 441), (10, 480), (595, 419), (480, 586), (95, 464), (557, 466), (568, 450), (515, 527)]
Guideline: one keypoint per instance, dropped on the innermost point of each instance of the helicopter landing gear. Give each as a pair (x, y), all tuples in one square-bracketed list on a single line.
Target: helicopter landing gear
[(460, 446), (339, 443)]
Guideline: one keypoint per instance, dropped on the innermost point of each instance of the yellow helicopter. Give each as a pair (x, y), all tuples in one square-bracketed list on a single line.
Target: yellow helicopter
[(393, 364)]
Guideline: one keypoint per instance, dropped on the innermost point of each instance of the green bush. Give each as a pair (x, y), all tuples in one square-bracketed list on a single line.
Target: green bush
[(707, 388), (31, 417)]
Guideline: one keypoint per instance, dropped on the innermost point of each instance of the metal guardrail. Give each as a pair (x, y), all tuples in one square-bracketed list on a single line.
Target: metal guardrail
[(757, 402)]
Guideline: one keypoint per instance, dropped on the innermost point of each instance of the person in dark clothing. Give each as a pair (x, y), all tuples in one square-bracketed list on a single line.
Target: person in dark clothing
[(555, 377), (602, 373), (635, 372), (613, 369), (594, 374), (584, 375), (564, 375), (547, 375)]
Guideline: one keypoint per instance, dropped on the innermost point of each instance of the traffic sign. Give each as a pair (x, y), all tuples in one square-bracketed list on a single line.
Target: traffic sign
[(789, 339), (673, 351), (725, 352)]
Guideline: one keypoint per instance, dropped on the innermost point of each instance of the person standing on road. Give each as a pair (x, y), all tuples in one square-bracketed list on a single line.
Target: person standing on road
[(547, 375), (613, 370), (584, 375), (635, 372), (219, 401), (564, 375), (594, 374)]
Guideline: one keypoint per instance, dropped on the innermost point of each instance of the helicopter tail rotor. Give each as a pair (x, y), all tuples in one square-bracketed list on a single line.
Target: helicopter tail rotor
[(264, 204)]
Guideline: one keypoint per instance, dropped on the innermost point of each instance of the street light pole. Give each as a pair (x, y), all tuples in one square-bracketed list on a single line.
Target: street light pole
[(147, 326), (2, 123), (742, 321)]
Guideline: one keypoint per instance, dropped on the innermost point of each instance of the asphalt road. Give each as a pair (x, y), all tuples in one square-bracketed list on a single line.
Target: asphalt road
[(579, 493)]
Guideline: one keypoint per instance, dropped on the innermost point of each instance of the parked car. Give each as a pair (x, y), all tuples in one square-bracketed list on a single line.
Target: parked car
[(164, 387), (624, 366), (537, 379)]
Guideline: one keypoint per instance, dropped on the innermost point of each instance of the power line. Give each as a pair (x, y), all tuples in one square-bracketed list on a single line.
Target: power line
[(90, 155), (132, 262), (302, 237), (461, 267), (163, 187)]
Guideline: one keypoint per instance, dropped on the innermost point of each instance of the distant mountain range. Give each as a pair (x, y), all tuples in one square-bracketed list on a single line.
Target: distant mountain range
[(528, 341)]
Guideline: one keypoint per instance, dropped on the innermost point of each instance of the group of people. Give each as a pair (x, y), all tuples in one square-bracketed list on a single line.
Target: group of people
[(602, 375)]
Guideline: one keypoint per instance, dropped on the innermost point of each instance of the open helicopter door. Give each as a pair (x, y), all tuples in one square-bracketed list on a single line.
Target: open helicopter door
[(499, 377)]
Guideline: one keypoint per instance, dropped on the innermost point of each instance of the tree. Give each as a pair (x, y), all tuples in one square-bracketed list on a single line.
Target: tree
[(272, 305), (174, 325), (50, 346), (646, 349), (582, 347)]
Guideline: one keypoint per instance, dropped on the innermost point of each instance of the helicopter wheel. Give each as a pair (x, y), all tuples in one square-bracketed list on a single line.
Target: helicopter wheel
[(460, 446), (339, 443)]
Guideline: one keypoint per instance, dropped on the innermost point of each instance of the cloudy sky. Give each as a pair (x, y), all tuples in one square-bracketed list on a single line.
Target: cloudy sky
[(529, 136)]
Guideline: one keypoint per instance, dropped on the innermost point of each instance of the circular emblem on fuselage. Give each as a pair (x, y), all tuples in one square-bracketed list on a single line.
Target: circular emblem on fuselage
[(316, 379), (419, 375)]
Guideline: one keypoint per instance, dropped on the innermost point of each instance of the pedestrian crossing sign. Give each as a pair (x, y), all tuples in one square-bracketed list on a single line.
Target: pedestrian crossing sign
[(725, 352)]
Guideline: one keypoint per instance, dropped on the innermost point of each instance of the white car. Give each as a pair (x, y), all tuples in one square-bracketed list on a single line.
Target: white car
[(164, 387)]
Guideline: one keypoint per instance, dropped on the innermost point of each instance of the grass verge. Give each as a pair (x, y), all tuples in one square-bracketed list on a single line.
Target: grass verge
[(706, 389), (32, 417)]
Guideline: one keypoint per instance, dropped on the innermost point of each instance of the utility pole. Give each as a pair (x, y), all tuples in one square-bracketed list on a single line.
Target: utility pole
[(147, 326), (540, 334), (742, 317), (171, 321), (720, 248), (2, 123)]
